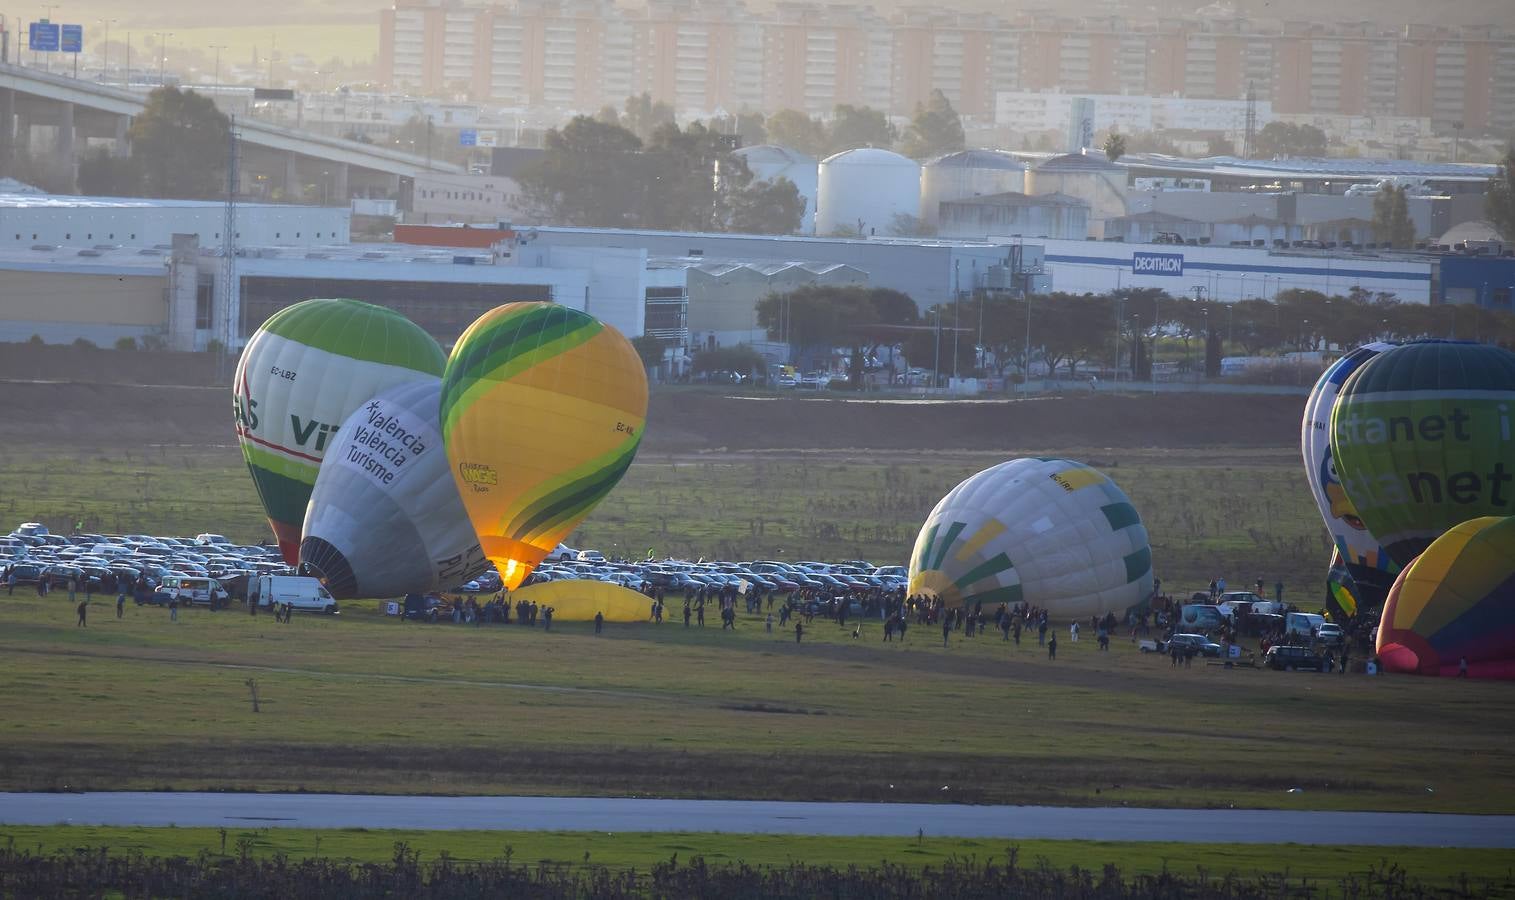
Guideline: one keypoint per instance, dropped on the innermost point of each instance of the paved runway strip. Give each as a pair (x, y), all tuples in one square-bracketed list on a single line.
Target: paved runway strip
[(757, 817)]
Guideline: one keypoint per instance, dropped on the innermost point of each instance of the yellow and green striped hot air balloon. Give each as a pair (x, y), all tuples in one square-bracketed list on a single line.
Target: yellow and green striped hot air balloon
[(300, 376), (542, 412)]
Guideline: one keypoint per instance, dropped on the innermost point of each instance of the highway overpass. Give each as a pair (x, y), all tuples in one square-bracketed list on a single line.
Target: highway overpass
[(76, 112)]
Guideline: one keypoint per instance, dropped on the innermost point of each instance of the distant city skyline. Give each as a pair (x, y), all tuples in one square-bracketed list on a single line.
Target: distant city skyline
[(708, 55)]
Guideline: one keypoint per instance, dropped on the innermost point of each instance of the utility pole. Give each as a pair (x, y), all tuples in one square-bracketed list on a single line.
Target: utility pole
[(227, 327), (957, 303), (218, 48)]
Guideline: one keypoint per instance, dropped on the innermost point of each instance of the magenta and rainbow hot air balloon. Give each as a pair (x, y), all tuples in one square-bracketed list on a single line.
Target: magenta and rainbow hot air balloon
[(1455, 602)]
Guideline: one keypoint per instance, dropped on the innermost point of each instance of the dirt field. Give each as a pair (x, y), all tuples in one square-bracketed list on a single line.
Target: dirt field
[(161, 398)]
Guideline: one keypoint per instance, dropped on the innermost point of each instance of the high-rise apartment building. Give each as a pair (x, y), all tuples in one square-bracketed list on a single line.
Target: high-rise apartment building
[(706, 55)]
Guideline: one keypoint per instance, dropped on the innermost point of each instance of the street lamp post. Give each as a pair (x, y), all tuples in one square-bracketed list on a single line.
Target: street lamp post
[(105, 50), (216, 81), (936, 365), (47, 59), (163, 37)]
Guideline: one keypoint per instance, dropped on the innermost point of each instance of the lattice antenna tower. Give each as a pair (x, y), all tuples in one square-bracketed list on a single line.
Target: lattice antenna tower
[(1250, 135)]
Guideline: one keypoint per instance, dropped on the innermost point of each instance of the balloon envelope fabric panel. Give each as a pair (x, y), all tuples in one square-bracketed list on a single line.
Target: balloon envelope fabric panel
[(1052, 533), (299, 377), (542, 412), (577, 600), (1357, 546), (1455, 602), (1422, 440), (385, 517)]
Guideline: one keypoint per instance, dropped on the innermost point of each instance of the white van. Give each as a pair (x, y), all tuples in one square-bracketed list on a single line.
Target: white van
[(304, 594), (1267, 608), (196, 590), (1201, 617), (1307, 624), (208, 538)]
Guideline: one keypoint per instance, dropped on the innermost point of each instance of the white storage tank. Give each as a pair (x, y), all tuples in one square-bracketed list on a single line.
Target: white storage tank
[(1091, 178), (865, 190), (770, 162), (966, 174)]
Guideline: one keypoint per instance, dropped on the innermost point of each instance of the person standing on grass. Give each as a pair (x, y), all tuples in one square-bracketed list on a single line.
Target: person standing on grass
[(946, 630), (1041, 633), (1462, 667), (121, 601), (10, 581), (83, 608), (1052, 647), (173, 608), (799, 630), (767, 623), (599, 622)]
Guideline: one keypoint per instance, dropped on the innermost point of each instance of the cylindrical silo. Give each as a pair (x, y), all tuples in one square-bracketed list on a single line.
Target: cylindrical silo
[(965, 174), (1092, 179), (865, 191), (770, 162)]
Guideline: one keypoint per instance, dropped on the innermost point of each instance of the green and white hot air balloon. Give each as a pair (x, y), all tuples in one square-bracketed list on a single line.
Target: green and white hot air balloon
[(1053, 533), (301, 375)]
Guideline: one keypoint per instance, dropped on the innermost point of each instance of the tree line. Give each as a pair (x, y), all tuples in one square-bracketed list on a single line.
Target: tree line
[(991, 334)]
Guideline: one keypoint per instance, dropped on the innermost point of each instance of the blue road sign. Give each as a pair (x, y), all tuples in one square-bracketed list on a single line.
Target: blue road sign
[(72, 39), (468, 137), (43, 37)]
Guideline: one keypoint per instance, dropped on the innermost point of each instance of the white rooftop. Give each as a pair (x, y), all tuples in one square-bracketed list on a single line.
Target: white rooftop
[(65, 201)]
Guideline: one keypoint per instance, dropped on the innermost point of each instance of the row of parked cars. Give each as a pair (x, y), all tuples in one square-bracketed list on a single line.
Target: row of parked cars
[(832, 580), (195, 569)]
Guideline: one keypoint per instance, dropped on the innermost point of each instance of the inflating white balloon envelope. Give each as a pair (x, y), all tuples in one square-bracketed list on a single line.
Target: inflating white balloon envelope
[(384, 517), (1053, 533)]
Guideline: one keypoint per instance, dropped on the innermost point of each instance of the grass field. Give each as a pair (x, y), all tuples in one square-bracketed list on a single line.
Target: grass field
[(362, 703), (1239, 513), (1432, 866)]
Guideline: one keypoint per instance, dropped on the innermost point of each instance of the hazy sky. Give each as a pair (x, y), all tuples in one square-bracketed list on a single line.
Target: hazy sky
[(171, 13)]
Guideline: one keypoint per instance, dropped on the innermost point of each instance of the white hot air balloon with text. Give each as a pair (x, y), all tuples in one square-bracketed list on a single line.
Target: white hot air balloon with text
[(385, 517)]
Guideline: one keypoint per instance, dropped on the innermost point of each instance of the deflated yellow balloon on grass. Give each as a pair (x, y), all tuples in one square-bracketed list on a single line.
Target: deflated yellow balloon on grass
[(577, 600), (542, 412)]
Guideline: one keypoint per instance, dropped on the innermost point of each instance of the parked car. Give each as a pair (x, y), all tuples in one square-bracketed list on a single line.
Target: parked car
[(419, 608), (1331, 635), (1288, 657), (26, 573), (1197, 642)]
